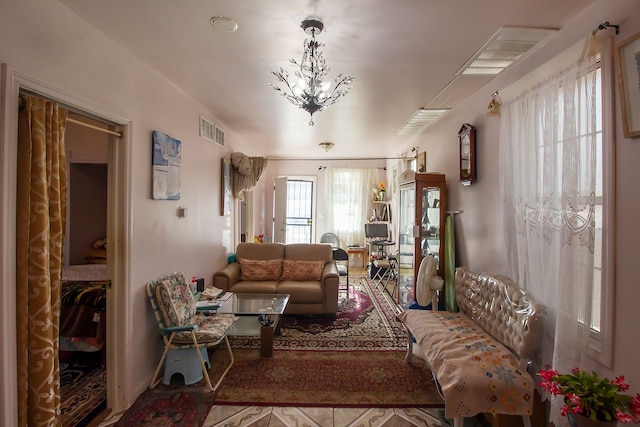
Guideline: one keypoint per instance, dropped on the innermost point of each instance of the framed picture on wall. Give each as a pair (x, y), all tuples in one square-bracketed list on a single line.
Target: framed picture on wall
[(225, 184), (628, 58), (166, 158)]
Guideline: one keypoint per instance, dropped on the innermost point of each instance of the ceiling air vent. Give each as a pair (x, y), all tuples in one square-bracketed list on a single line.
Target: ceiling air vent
[(504, 48), (211, 132)]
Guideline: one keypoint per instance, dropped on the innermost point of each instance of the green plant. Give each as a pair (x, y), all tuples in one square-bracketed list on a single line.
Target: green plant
[(599, 399)]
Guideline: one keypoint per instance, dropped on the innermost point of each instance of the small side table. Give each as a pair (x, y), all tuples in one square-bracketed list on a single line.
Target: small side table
[(356, 254)]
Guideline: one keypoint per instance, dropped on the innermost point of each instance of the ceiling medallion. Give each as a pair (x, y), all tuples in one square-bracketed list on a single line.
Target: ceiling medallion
[(310, 92)]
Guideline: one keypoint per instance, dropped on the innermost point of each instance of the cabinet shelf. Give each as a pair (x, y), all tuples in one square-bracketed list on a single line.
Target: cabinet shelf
[(421, 214)]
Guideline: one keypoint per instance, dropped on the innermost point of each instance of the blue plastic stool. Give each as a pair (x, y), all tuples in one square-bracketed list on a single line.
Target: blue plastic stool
[(185, 361)]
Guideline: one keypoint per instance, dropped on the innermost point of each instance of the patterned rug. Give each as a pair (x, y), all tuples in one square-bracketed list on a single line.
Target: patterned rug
[(82, 390), (324, 379), (169, 406), (366, 320)]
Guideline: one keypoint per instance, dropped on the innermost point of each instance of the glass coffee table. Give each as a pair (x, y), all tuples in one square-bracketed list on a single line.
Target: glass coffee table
[(252, 310)]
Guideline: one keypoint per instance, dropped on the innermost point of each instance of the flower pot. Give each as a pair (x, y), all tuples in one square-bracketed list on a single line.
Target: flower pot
[(577, 420)]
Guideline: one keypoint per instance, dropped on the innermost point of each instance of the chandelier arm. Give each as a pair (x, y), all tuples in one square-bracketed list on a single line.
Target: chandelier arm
[(313, 93)]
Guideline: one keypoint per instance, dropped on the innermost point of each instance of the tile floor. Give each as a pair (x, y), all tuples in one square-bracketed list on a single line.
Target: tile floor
[(255, 416), (267, 416)]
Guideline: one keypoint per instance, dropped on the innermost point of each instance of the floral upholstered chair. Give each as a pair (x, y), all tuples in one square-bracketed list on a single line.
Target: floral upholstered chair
[(183, 325)]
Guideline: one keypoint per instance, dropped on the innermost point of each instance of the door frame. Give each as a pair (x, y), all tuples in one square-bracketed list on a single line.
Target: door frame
[(118, 232), (314, 204)]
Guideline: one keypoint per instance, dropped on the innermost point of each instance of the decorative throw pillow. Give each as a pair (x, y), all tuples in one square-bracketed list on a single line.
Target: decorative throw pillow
[(251, 269), (302, 270)]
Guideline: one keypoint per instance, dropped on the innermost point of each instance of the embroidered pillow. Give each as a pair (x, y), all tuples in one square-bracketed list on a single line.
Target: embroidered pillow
[(302, 270), (270, 269)]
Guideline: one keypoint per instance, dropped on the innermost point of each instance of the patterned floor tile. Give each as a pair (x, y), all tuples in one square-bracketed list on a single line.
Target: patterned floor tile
[(308, 417), (238, 416), (370, 417)]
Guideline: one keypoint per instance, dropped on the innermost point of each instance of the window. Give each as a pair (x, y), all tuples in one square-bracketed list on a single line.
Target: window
[(556, 166)]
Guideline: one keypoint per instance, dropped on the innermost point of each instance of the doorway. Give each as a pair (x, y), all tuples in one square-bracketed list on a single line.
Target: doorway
[(294, 210), (118, 230)]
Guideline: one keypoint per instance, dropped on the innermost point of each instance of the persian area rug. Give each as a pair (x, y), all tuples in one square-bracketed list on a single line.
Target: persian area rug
[(366, 320), (324, 379), (169, 406), (83, 390)]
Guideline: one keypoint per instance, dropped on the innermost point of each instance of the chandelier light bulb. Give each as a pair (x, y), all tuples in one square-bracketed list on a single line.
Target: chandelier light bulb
[(311, 92)]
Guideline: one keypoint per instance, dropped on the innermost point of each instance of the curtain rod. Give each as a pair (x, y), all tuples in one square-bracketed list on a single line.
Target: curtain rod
[(21, 103), (324, 159), (78, 122)]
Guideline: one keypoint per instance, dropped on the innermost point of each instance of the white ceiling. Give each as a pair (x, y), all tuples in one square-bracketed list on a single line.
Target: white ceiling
[(402, 53)]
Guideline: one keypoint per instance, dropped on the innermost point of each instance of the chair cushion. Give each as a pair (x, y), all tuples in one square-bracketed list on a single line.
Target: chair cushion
[(260, 269), (302, 270), (175, 300), (210, 329)]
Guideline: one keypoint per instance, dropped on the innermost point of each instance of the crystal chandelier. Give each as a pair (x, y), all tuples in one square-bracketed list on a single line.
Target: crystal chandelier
[(310, 92)]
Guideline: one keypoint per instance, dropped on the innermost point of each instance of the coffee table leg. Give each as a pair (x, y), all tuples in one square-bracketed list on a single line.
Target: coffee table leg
[(266, 341)]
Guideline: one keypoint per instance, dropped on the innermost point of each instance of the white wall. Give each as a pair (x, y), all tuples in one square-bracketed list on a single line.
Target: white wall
[(51, 45)]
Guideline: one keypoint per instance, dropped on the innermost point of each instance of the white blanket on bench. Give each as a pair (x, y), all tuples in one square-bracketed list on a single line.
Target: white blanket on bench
[(477, 373)]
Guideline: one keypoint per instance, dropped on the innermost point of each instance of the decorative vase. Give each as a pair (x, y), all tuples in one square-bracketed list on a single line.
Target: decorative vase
[(381, 194), (577, 420)]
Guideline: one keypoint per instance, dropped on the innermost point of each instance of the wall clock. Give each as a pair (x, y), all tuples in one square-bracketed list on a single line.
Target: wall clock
[(467, 139)]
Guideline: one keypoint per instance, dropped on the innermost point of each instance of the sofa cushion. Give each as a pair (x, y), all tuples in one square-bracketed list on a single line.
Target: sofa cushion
[(302, 270), (302, 292), (260, 269), (260, 251)]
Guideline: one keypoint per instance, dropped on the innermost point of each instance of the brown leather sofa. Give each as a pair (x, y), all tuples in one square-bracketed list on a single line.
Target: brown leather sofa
[(307, 272)]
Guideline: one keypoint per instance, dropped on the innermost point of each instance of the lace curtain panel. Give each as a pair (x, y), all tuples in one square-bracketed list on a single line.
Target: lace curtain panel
[(348, 197), (548, 155)]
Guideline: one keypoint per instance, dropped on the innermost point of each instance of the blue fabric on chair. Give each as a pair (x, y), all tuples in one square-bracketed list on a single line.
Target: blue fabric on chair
[(183, 326)]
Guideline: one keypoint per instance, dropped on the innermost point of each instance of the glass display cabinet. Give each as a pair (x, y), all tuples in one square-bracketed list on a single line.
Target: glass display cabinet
[(421, 216)]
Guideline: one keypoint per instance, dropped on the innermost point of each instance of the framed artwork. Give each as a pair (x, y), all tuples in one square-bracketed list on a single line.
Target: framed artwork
[(225, 184), (166, 159), (422, 162), (628, 58)]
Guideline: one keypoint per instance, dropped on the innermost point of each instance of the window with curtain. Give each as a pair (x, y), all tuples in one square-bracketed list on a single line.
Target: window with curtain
[(556, 180), (348, 196)]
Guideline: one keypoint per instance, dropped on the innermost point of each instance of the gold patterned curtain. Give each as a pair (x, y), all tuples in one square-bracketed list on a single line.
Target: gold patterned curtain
[(40, 228)]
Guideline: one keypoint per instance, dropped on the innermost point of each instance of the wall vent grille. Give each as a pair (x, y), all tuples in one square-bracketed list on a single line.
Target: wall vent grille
[(211, 132)]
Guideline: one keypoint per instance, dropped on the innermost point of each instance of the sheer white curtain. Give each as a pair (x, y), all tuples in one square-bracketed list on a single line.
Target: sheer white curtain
[(548, 158), (349, 194)]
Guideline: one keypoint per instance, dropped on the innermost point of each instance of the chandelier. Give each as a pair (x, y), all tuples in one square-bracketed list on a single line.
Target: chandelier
[(311, 92)]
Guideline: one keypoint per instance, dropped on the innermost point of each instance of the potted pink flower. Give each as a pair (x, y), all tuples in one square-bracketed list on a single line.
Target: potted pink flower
[(588, 396)]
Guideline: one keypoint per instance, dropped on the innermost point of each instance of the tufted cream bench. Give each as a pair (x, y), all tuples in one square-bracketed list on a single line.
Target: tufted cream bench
[(479, 356)]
